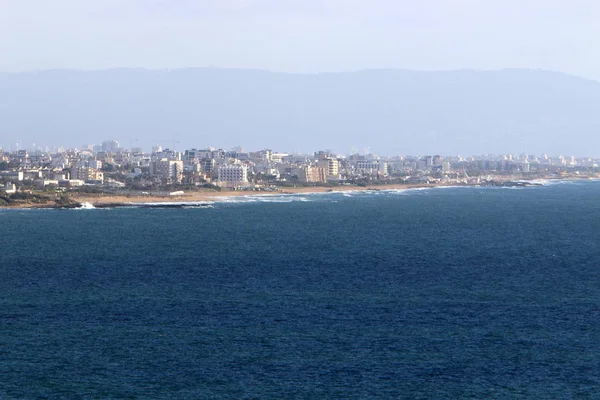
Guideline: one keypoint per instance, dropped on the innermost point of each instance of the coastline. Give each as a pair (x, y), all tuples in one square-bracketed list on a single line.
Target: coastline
[(125, 200), (207, 197)]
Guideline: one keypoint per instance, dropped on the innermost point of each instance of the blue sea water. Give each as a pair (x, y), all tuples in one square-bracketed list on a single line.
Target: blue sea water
[(455, 293)]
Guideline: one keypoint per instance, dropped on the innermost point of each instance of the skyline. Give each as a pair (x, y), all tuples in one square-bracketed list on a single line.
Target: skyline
[(112, 166), (118, 147)]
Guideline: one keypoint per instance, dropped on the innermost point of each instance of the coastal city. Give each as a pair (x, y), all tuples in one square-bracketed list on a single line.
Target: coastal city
[(110, 168)]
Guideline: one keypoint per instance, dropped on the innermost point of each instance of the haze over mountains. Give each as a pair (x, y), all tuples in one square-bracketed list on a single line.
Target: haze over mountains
[(390, 111)]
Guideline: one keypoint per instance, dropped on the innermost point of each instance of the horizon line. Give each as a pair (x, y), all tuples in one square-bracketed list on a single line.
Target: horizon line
[(249, 69)]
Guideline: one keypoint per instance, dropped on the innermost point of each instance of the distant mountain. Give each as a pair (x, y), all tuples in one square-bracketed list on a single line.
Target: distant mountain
[(390, 111)]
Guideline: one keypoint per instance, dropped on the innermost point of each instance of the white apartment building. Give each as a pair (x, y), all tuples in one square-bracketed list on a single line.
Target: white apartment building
[(367, 167), (232, 175), (372, 167)]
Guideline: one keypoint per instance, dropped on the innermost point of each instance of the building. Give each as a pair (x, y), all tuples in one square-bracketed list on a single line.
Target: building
[(9, 188), (312, 174), (232, 175), (331, 166), (87, 174), (367, 167), (170, 171), (208, 165), (110, 146), (70, 183), (42, 183), (190, 155), (12, 175), (96, 164)]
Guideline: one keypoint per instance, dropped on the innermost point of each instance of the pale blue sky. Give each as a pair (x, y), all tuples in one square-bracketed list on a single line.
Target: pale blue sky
[(301, 35)]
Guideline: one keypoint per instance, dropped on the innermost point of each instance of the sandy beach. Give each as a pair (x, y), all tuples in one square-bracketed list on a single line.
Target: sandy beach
[(208, 196)]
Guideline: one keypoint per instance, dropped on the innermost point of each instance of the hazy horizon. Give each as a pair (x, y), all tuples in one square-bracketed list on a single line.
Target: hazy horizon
[(325, 72), (300, 36), (465, 112)]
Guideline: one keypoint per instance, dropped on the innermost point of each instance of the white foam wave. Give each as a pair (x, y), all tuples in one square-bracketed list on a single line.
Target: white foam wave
[(234, 199), (199, 206), (551, 182), (543, 182), (187, 204), (85, 206), (285, 198)]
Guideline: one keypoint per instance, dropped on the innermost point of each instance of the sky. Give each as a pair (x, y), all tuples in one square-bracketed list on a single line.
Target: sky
[(306, 36)]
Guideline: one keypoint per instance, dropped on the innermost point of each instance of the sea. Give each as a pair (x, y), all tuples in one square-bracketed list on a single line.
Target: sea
[(442, 293)]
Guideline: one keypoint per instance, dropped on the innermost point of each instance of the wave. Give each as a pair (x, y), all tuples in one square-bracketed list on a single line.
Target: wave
[(85, 206), (318, 196), (552, 182), (171, 204), (283, 198)]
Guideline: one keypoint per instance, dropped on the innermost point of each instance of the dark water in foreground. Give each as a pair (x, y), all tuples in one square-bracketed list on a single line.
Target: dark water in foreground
[(435, 294)]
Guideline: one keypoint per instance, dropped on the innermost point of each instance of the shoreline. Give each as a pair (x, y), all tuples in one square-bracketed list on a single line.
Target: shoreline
[(127, 200), (101, 201), (79, 201)]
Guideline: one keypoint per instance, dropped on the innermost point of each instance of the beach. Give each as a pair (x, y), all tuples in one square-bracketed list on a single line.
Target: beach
[(99, 200), (209, 195)]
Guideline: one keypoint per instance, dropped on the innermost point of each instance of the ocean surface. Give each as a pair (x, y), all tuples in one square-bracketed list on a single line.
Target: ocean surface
[(450, 293)]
